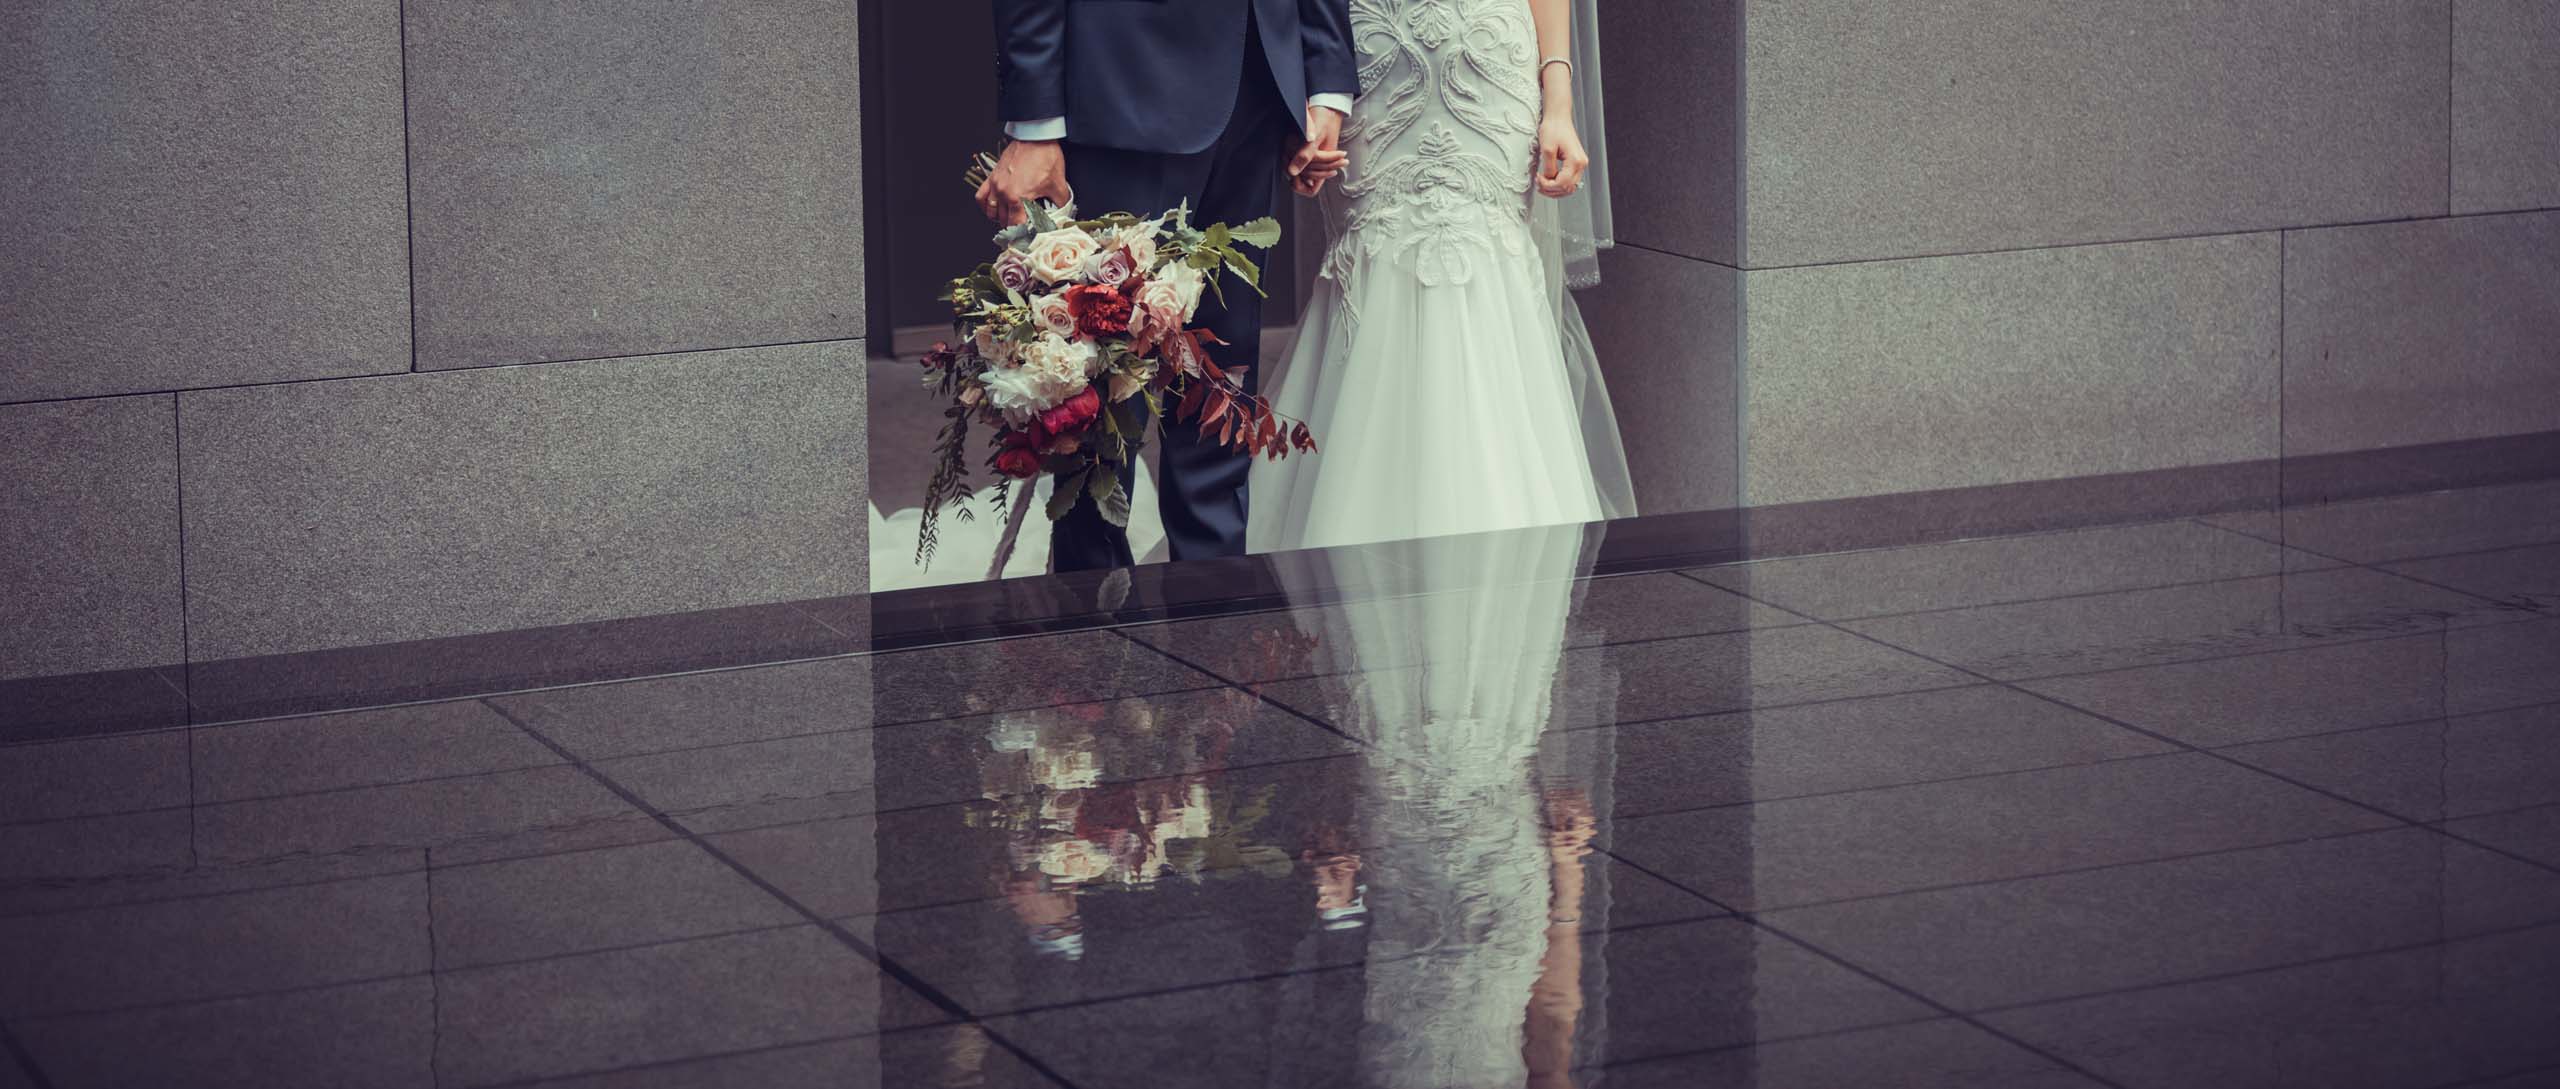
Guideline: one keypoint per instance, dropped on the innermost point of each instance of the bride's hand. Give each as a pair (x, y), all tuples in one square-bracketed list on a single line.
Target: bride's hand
[(1561, 159)]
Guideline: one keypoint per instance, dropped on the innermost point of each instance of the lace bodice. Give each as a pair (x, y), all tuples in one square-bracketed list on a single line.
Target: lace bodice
[(1443, 140)]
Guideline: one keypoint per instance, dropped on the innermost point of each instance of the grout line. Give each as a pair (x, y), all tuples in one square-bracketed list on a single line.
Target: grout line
[(933, 995), (2379, 567), (23, 1059), (2443, 631), (433, 371), (435, 978), (2093, 243), (1254, 691), (2067, 871), (186, 630), (2271, 969), (2282, 256), (1753, 919), (408, 182)]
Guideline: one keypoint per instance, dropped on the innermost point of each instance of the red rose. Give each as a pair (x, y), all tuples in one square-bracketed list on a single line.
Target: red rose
[(1072, 413), (1018, 460), (1099, 311)]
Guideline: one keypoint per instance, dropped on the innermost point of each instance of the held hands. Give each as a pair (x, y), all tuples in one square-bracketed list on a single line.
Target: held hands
[(1561, 159), (1322, 158), (1028, 170)]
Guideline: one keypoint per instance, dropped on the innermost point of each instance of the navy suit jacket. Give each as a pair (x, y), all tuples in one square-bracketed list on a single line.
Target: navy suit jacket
[(1161, 75)]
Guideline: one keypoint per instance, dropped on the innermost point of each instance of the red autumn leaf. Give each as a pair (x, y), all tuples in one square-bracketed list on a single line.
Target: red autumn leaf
[(1302, 438), (1270, 431), (1191, 399), (1218, 405)]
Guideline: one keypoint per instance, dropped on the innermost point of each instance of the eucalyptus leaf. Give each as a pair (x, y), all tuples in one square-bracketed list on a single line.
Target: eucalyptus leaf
[(1068, 488), (1261, 234), (1110, 497)]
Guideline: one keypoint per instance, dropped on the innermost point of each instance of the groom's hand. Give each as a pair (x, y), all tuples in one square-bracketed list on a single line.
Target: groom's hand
[(1028, 170), (1322, 156)]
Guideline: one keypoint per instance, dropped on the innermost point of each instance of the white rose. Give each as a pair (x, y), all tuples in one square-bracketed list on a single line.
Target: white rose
[(1053, 314), (1052, 369), (1160, 303), (1187, 283), (1060, 254), (1140, 241)]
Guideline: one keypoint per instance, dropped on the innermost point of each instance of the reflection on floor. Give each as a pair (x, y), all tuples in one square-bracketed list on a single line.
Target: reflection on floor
[(2270, 799)]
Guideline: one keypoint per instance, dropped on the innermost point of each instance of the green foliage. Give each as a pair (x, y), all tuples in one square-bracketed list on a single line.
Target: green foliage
[(1109, 495), (1069, 487), (1261, 234)]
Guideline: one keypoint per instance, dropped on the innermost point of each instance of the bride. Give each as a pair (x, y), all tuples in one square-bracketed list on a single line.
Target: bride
[(1442, 361)]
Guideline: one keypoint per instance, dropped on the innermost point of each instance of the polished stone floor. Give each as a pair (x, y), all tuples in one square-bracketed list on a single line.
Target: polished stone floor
[(2268, 799)]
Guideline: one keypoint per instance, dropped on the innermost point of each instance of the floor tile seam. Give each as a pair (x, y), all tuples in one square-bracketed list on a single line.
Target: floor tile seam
[(1252, 689), (1754, 920), (2032, 534), (1364, 960), (714, 1056), (2141, 731), (2403, 724), (2443, 624), (1695, 716), (681, 814), (211, 999), (887, 967), (2045, 875), (74, 909), (1886, 787), (15, 1052), (2311, 648), (1569, 646), (2492, 1079), (2272, 969), (475, 695), (930, 719), (482, 966), (2007, 603), (2175, 743), (2492, 848), (435, 979), (608, 758), (2498, 813), (2383, 567), (1768, 1041)]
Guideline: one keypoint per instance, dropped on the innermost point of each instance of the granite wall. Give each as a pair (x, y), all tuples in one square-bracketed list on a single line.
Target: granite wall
[(1885, 246), (330, 324)]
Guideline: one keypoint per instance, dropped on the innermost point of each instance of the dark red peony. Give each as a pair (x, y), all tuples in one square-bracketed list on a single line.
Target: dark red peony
[(1018, 460), (1072, 413), (1099, 311)]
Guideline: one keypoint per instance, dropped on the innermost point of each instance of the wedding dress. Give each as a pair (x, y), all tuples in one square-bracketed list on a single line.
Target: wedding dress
[(1442, 362), (1452, 691)]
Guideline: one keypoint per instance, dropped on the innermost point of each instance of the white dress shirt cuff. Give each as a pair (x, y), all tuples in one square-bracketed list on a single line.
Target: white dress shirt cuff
[(1046, 128), (1338, 103)]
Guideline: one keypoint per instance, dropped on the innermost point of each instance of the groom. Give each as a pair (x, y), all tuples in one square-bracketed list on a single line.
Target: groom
[(1141, 105)]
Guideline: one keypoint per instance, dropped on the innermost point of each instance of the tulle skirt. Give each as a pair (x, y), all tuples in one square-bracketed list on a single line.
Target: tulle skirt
[(1440, 408)]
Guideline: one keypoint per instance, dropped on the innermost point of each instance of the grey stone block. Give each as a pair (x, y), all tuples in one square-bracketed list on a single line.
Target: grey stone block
[(1943, 126), (1667, 331), (89, 526), (1950, 372), (618, 179), (1674, 111), (2506, 95), (2404, 333), (199, 195), (349, 513)]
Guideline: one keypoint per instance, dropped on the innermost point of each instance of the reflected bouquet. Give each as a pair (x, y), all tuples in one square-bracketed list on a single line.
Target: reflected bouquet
[(1074, 340)]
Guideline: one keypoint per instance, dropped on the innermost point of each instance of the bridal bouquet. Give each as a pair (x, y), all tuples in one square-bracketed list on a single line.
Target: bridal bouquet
[(1074, 340)]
